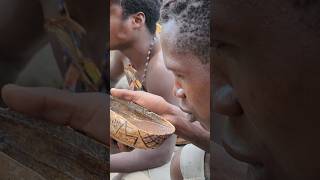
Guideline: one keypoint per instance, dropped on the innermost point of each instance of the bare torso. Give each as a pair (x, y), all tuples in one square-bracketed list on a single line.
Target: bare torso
[(159, 81)]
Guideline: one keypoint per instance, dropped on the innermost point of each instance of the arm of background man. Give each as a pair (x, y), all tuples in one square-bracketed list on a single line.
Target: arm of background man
[(138, 159)]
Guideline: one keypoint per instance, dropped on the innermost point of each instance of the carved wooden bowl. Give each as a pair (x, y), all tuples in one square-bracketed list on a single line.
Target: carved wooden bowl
[(137, 127)]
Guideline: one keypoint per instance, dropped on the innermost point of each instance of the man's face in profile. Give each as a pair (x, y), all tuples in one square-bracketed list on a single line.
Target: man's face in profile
[(120, 32), (266, 70), (191, 75), (116, 20)]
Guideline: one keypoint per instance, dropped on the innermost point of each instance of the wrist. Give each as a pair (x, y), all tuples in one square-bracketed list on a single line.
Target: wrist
[(178, 120), (173, 115)]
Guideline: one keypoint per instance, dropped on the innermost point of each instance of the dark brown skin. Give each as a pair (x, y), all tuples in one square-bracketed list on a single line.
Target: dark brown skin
[(116, 67), (190, 75), (192, 132), (266, 73), (132, 38)]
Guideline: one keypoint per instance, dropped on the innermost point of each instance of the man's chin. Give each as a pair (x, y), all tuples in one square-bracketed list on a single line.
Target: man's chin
[(191, 117)]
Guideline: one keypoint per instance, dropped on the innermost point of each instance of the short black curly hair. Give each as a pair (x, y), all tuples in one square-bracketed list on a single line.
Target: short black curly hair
[(150, 8), (193, 21)]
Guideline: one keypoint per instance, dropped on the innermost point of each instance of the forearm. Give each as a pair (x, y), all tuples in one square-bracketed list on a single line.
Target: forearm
[(138, 160), (127, 162)]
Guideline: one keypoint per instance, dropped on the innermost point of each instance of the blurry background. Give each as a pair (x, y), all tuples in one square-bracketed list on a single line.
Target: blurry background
[(41, 71)]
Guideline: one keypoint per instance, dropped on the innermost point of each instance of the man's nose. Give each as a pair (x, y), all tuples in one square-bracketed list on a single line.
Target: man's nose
[(179, 91), (225, 102)]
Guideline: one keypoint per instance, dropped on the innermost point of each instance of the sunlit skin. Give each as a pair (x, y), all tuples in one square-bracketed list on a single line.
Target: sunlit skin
[(119, 28), (131, 36), (192, 85), (192, 78), (266, 70)]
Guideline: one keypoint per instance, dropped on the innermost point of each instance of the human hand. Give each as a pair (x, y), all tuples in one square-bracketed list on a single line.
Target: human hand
[(150, 101), (86, 112), (192, 132)]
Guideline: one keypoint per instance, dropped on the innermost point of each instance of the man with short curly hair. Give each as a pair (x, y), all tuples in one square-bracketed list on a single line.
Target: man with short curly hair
[(133, 32), (185, 42)]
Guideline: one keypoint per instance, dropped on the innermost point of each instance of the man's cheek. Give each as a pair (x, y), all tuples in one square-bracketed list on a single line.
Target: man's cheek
[(192, 97)]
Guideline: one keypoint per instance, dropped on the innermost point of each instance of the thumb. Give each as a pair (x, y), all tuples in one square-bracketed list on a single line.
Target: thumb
[(142, 98), (125, 94), (150, 101)]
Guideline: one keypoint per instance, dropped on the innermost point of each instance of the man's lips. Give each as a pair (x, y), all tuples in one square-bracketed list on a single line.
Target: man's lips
[(241, 156), (185, 110), (190, 115)]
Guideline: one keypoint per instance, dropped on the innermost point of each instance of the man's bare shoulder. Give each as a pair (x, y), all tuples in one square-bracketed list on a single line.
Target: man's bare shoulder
[(158, 67), (160, 80)]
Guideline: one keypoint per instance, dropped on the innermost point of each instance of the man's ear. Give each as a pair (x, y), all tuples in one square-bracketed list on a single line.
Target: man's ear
[(138, 20)]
